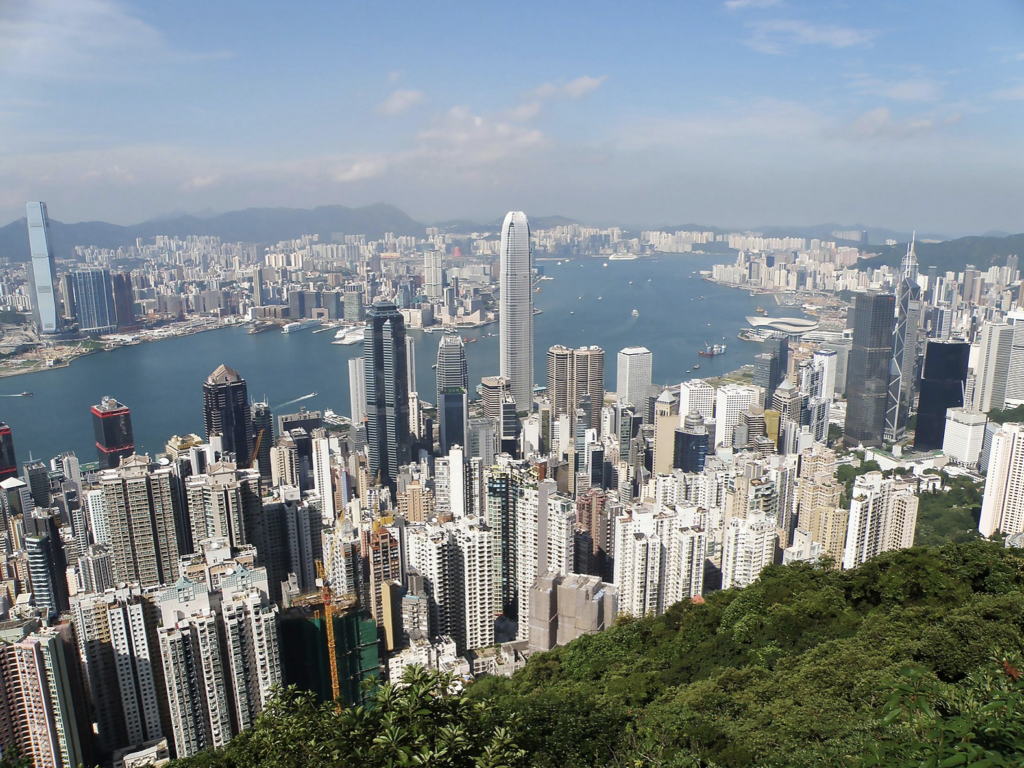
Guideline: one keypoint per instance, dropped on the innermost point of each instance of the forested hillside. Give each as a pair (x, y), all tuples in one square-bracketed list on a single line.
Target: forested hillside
[(911, 659)]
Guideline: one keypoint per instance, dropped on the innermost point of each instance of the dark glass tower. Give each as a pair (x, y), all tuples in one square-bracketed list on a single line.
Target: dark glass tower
[(942, 387), (124, 309), (387, 392), (8, 463), (867, 380), (691, 448), (112, 426), (771, 364), (227, 414), (452, 391)]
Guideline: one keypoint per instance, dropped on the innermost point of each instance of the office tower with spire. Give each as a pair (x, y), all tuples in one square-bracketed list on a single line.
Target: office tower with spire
[(867, 384), (633, 375), (452, 391), (515, 316), (388, 434), (8, 461), (42, 271), (112, 428), (227, 414), (904, 350), (94, 300), (942, 388)]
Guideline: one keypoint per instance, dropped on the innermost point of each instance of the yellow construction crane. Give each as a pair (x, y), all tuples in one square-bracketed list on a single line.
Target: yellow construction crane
[(256, 449), (328, 597)]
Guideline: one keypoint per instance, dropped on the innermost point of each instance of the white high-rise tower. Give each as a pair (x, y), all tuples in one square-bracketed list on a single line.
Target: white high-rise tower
[(633, 375), (516, 309)]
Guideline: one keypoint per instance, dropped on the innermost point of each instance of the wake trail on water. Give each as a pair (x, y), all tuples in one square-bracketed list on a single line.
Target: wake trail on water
[(292, 402)]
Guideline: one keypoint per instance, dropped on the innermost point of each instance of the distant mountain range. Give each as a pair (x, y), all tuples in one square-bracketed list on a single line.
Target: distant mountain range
[(254, 225), (270, 225), (953, 255)]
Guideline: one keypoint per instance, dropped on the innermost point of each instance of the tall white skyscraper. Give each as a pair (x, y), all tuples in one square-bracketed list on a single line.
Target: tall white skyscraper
[(697, 395), (748, 547), (883, 515), (516, 309), (995, 344), (433, 274), (633, 375), (1002, 508), (42, 274), (357, 390), (730, 400), (826, 360)]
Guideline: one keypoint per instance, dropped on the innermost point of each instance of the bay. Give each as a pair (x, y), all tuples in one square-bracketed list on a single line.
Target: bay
[(586, 303)]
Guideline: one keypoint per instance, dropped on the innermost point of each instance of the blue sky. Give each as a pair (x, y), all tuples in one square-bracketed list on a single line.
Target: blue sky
[(733, 113)]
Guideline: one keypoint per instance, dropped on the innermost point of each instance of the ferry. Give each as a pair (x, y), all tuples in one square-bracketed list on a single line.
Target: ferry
[(712, 351), (300, 325), (622, 257), (347, 336)]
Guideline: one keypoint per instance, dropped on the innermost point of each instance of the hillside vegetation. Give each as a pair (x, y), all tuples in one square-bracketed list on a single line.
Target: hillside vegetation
[(911, 659)]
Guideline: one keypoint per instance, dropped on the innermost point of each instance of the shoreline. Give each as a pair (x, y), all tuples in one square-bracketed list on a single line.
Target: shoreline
[(68, 359)]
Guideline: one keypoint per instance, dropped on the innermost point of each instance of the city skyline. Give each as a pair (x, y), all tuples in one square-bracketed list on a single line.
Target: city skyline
[(865, 113)]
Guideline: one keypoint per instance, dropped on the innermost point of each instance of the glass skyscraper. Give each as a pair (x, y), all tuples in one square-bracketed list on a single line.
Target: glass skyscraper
[(112, 425), (94, 301), (867, 383), (515, 314), (904, 350), (942, 387), (452, 391), (227, 414), (388, 435), (42, 273)]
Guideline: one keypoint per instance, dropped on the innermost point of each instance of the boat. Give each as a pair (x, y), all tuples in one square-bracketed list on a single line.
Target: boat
[(605, 264), (600, 297), (636, 313), (622, 257), (25, 394), (630, 282), (700, 298), (260, 326), (712, 351), (434, 366), (696, 367), (467, 340), (299, 325), (347, 336), (572, 311)]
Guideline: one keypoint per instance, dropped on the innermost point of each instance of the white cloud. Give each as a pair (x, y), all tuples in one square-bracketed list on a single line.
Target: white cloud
[(394, 76), (1014, 93), (400, 101), (737, 5), (82, 39), (574, 89), (780, 35), (879, 123), (914, 89)]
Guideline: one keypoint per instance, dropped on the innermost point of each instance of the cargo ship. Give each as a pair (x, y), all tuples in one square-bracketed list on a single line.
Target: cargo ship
[(712, 350), (300, 325), (261, 326)]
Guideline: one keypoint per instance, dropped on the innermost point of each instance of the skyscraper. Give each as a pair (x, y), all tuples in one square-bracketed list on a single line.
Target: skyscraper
[(995, 344), (357, 390), (576, 380), (227, 413), (691, 444), (124, 311), (942, 387), (904, 350), (263, 430), (516, 308), (42, 274), (94, 300), (1002, 508), (771, 365), (452, 389), (867, 383), (112, 427), (8, 461), (388, 435), (433, 274), (633, 375)]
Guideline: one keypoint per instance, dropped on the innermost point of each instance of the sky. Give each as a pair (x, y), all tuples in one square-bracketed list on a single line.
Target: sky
[(739, 113)]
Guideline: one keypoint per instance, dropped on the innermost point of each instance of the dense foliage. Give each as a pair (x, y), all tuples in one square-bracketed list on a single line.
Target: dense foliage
[(950, 515), (1009, 416), (909, 660)]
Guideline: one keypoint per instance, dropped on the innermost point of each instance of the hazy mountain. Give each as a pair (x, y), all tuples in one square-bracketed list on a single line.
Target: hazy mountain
[(254, 225), (953, 255)]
